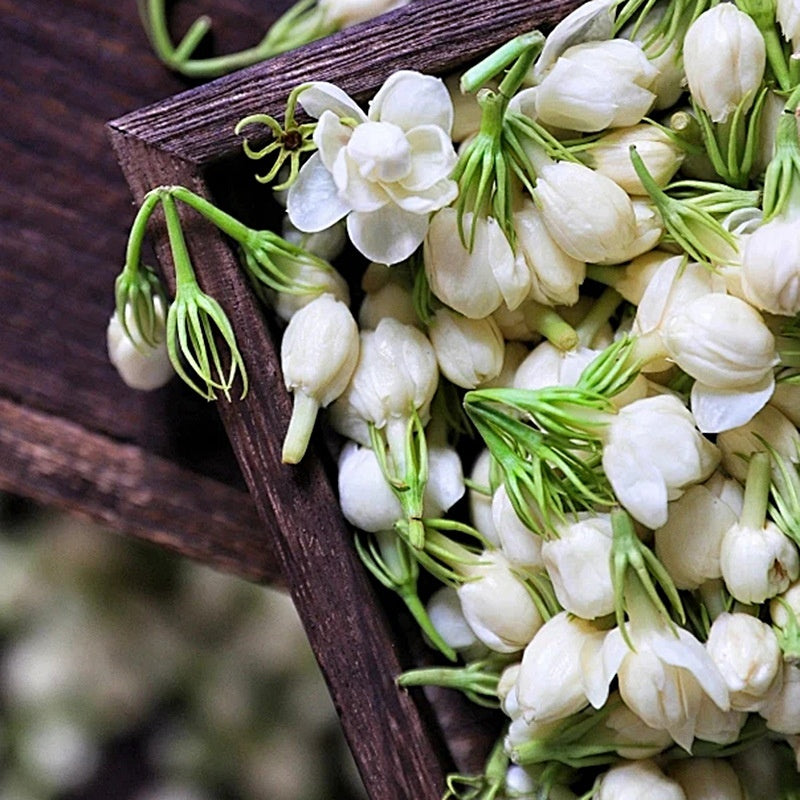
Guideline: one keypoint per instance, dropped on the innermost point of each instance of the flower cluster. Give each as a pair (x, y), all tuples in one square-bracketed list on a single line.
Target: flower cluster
[(604, 308)]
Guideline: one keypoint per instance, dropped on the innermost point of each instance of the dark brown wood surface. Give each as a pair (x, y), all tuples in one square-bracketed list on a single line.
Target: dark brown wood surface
[(403, 746), (157, 466)]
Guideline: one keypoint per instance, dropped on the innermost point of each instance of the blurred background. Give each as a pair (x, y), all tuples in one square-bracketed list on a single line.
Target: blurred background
[(127, 673)]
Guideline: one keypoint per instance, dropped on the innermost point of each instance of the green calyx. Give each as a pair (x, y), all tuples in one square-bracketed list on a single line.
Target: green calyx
[(194, 321), (636, 574), (289, 142), (548, 442), (302, 23), (488, 786), (690, 225), (732, 146), (782, 176), (392, 563), (478, 680)]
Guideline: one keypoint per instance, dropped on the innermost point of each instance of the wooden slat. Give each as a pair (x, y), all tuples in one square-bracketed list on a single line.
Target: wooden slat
[(403, 746), (134, 492)]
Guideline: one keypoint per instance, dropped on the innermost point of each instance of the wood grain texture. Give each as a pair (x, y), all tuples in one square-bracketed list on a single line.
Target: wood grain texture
[(67, 67), (133, 492), (403, 745)]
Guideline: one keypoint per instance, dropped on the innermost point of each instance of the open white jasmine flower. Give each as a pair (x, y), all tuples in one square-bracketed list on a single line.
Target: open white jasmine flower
[(550, 684), (747, 654), (665, 679), (578, 562), (706, 779), (653, 453), (589, 216), (473, 282), (319, 352), (724, 57), (637, 780), (386, 171), (469, 351), (140, 365), (596, 85), (497, 606)]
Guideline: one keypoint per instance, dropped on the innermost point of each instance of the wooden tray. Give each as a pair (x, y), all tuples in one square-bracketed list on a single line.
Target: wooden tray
[(403, 744)]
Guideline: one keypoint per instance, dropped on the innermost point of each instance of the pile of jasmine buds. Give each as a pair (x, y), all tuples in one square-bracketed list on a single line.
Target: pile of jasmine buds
[(569, 389)]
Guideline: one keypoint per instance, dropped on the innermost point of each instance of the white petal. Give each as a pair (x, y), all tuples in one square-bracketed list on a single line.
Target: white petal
[(640, 487), (441, 194), (361, 194), (597, 681), (313, 203), (322, 96), (330, 136), (717, 410), (686, 652), (388, 235), (409, 99), (433, 157)]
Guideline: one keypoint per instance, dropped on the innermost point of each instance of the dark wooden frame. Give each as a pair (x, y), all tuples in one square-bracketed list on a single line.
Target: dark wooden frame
[(403, 747)]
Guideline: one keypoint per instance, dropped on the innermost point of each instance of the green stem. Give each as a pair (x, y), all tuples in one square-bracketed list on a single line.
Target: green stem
[(133, 252), (546, 321), (494, 63), (225, 222), (301, 425), (184, 272), (756, 491), (601, 311), (420, 614)]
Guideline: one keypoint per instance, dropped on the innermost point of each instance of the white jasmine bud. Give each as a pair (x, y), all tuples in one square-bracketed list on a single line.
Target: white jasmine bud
[(344, 13), (636, 780), (140, 365), (326, 244), (520, 545), (396, 375), (786, 398), (444, 611), (770, 270), (634, 740), (597, 85), (689, 544), (469, 351), (786, 605), (653, 453), (706, 779), (480, 503), (724, 57), (787, 12), (390, 300), (717, 725), (578, 562), (366, 499), (475, 282), (747, 654), (769, 425), (319, 352), (497, 606), (782, 711), (610, 156), (721, 341), (550, 683), (555, 275), (515, 353), (757, 563), (649, 231), (588, 215)]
